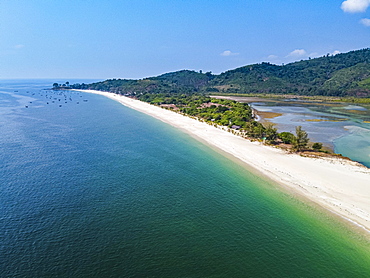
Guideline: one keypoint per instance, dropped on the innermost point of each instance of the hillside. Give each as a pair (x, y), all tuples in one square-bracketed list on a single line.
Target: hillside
[(180, 82), (346, 74)]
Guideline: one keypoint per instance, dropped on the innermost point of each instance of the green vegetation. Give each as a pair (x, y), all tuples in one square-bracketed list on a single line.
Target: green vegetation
[(235, 116), (304, 98), (217, 111), (317, 147), (271, 134), (342, 75), (64, 86), (286, 137), (345, 75), (300, 141), (182, 82)]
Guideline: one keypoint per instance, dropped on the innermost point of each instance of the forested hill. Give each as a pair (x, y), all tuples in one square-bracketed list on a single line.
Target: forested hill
[(346, 74), (180, 82)]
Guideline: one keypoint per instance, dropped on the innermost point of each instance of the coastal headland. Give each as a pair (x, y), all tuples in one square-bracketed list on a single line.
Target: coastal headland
[(338, 185)]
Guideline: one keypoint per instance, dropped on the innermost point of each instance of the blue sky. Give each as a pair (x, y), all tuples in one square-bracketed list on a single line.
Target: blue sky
[(141, 38)]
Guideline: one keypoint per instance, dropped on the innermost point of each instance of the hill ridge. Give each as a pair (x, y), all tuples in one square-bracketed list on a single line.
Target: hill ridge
[(343, 74)]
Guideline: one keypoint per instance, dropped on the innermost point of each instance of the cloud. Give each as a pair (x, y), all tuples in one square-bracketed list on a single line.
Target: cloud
[(335, 52), (272, 57), (229, 53), (355, 6), (297, 53), (365, 21), (313, 55), (18, 46)]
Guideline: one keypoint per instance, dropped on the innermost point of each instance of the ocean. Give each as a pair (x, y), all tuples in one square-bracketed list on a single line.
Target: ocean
[(90, 188)]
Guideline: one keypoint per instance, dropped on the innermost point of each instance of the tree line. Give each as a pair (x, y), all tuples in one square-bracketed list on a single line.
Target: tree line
[(237, 117)]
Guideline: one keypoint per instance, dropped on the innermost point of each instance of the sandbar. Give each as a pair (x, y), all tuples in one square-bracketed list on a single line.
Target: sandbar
[(338, 185)]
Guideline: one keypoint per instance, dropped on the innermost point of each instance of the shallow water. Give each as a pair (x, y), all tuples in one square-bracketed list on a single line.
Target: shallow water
[(94, 189), (343, 127)]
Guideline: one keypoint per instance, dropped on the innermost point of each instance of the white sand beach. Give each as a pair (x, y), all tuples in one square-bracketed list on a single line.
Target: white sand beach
[(341, 186)]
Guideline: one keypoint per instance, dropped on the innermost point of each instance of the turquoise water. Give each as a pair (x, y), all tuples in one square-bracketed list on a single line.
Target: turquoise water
[(94, 189), (343, 127)]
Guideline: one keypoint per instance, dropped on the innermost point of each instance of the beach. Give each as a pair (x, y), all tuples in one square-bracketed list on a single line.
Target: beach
[(338, 185)]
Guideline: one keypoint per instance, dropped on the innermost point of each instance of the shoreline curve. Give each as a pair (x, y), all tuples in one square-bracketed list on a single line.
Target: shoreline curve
[(340, 186)]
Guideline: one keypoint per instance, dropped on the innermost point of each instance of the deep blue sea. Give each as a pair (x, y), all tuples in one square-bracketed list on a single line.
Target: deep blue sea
[(90, 188)]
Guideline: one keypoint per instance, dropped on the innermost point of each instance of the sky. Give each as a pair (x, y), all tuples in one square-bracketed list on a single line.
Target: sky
[(136, 39)]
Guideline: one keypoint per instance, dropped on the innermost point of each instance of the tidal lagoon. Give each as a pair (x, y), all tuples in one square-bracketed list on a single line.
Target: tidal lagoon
[(343, 127)]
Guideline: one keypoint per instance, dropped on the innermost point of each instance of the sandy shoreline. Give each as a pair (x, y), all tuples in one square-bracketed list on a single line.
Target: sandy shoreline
[(338, 185)]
